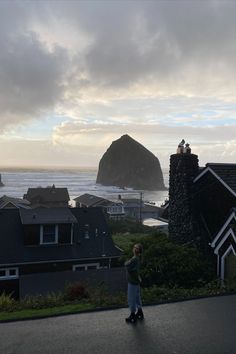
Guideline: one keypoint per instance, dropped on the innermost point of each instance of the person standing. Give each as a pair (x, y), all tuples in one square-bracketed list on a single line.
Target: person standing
[(134, 280)]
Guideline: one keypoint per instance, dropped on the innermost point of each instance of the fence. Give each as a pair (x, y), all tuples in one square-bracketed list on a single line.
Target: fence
[(113, 279)]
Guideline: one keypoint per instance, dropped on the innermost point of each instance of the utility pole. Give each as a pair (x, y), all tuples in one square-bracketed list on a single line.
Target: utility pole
[(140, 207)]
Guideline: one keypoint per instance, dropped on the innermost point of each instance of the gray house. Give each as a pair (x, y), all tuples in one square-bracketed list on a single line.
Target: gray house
[(48, 197), (113, 209), (43, 248)]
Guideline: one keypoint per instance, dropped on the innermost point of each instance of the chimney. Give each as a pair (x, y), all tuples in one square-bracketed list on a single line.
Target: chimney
[(183, 168)]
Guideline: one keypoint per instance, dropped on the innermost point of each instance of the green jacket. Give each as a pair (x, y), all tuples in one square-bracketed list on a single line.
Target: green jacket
[(132, 268)]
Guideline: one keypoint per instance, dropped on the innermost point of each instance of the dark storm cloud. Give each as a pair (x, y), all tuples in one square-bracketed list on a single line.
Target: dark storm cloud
[(172, 43), (31, 76), (163, 40)]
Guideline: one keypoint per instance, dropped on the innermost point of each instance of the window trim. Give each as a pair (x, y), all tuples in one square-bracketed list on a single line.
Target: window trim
[(85, 265), (7, 273), (55, 235)]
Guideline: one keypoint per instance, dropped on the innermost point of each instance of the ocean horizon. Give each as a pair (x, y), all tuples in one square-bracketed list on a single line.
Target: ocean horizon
[(78, 180)]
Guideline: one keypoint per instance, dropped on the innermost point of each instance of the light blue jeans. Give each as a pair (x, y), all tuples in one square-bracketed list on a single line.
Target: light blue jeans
[(134, 297)]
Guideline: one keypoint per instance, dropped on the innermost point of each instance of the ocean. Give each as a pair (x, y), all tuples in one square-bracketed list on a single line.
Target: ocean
[(77, 180)]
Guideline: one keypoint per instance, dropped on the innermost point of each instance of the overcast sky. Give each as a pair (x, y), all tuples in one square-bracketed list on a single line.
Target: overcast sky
[(76, 75)]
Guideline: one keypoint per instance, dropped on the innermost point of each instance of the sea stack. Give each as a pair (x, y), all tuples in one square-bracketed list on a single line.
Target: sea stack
[(1, 184), (127, 163)]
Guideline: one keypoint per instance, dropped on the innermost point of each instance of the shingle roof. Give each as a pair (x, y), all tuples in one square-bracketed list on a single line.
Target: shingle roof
[(13, 251), (5, 199), (90, 200), (225, 172), (47, 216), (48, 194)]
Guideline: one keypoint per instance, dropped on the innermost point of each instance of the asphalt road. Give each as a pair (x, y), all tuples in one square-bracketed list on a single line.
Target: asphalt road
[(205, 326)]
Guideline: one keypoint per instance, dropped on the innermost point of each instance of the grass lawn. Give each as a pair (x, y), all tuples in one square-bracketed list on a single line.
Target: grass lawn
[(47, 312)]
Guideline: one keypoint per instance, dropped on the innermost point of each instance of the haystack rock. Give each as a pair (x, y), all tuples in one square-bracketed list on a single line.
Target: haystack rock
[(127, 163)]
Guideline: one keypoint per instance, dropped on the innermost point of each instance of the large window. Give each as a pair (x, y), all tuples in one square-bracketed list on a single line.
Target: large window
[(9, 273), (48, 234), (81, 267)]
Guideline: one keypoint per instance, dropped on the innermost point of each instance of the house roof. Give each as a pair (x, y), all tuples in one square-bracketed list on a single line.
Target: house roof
[(17, 202), (47, 216), (90, 200), (48, 194), (231, 218), (150, 208), (224, 172), (99, 244)]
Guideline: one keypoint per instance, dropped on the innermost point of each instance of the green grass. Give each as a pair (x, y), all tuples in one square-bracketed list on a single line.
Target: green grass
[(47, 312), (151, 295)]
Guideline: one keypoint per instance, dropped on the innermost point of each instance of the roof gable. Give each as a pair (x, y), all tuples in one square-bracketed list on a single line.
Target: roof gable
[(48, 194), (224, 173), (90, 200), (223, 229)]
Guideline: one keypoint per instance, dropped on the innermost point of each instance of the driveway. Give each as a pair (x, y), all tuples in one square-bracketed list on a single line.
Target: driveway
[(204, 326)]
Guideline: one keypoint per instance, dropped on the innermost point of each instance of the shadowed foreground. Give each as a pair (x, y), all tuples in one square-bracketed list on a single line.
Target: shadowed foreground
[(191, 327)]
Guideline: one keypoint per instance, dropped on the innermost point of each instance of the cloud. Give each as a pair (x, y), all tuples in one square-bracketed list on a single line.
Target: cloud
[(56, 56), (157, 70), (175, 46), (31, 77), (210, 143)]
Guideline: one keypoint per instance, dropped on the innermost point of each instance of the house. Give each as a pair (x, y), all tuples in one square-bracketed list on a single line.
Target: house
[(37, 244), (7, 202), (114, 210), (150, 211), (48, 197), (201, 209), (136, 208), (133, 207)]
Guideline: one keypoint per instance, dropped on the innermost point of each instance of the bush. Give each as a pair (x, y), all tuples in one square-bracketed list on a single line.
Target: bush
[(128, 226), (7, 302), (100, 296), (156, 294), (172, 265), (166, 263), (42, 301), (75, 291)]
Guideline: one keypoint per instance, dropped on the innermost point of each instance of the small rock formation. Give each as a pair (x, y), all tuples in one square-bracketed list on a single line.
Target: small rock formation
[(1, 183), (127, 163)]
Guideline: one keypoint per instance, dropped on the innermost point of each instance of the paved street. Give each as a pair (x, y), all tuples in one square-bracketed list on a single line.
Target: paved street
[(205, 326)]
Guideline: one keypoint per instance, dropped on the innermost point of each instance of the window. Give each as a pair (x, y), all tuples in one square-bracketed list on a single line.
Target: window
[(12, 272), (48, 234), (9, 273), (92, 267), (78, 268), (82, 267)]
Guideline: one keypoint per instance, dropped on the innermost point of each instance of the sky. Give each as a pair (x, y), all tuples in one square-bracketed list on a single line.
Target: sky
[(77, 75)]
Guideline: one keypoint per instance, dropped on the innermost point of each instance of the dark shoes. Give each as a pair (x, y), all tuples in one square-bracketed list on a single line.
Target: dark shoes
[(131, 318), (135, 316), (139, 315)]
